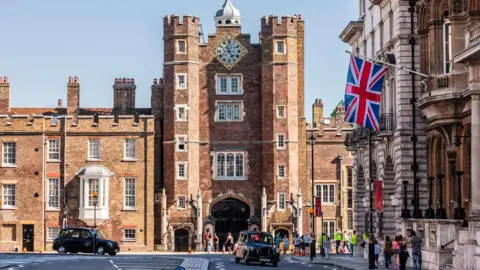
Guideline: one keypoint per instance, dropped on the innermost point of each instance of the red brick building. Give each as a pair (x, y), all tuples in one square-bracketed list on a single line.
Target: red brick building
[(233, 128), (54, 159)]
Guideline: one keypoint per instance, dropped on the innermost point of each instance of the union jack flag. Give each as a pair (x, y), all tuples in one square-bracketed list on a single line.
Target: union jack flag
[(363, 92)]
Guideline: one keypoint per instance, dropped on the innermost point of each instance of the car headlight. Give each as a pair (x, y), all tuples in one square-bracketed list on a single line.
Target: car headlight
[(110, 244)]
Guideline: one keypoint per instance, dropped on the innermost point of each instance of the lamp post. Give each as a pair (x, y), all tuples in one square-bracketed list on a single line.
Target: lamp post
[(95, 200), (313, 246)]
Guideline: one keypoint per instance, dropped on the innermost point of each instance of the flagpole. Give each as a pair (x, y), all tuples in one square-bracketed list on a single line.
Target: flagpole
[(371, 247), (388, 64)]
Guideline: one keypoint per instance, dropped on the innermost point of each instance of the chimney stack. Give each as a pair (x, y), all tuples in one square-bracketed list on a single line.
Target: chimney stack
[(340, 116), (317, 111), (157, 98), (124, 95), (73, 96), (4, 94)]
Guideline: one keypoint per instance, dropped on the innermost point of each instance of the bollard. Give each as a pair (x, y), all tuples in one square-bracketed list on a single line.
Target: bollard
[(189, 250), (40, 250), (24, 250)]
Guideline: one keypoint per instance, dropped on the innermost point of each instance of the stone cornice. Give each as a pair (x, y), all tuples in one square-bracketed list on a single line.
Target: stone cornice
[(350, 30)]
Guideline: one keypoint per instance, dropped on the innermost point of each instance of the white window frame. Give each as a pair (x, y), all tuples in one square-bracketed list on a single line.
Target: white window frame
[(125, 206), (125, 149), (232, 105), (446, 22), (325, 187), (50, 143), (178, 202), (49, 232), (284, 141), (49, 195), (277, 42), (99, 149), (177, 139), (326, 226), (9, 206), (229, 78), (284, 201), (129, 239), (185, 170), (5, 164), (184, 46), (284, 111), (225, 176), (177, 112), (284, 171), (177, 81)]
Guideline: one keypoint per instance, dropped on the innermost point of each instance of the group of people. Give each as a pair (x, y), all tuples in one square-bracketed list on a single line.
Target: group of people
[(398, 251), (211, 242), (342, 241)]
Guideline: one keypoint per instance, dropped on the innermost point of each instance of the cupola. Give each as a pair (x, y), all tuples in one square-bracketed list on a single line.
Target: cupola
[(228, 16)]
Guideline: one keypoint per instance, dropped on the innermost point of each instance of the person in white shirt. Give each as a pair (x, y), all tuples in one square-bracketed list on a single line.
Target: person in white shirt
[(307, 240)]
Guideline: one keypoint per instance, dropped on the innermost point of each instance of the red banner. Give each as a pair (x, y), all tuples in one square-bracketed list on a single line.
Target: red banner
[(378, 193), (318, 206)]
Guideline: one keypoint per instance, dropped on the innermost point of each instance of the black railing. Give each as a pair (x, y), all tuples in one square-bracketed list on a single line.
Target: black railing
[(387, 122)]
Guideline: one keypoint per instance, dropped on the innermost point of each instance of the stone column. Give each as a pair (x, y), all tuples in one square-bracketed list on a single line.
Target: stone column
[(299, 212), (475, 177), (164, 219), (199, 220), (264, 211)]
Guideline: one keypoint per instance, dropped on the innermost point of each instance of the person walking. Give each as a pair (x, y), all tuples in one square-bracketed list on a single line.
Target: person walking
[(215, 242), (307, 240), (326, 247), (346, 241), (296, 245), (322, 249), (205, 239), (396, 252), (285, 244), (353, 243), (210, 243), (278, 239), (378, 250), (229, 242), (403, 252), (338, 239), (416, 245), (388, 251)]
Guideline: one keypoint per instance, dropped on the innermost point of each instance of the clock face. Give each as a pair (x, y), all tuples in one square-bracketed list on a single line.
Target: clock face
[(229, 51)]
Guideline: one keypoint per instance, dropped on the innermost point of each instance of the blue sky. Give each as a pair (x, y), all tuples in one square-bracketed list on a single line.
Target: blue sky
[(44, 42)]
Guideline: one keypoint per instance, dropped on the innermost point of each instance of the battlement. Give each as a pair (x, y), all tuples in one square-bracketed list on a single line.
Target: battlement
[(176, 19), (158, 81), (280, 25), (83, 123), (276, 19), (124, 81)]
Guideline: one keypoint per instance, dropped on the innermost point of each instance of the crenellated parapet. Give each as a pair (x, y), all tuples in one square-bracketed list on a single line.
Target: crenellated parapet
[(280, 25), (177, 25)]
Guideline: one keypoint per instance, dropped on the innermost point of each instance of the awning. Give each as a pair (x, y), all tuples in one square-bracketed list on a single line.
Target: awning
[(93, 171)]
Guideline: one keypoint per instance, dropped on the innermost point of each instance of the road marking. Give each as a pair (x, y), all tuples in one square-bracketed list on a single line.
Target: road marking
[(114, 265), (110, 261)]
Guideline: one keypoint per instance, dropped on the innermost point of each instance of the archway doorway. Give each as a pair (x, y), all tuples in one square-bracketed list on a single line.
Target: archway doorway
[(231, 216), (283, 233), (181, 240)]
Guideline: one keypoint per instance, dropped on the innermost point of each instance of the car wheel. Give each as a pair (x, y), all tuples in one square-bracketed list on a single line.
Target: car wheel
[(237, 260), (62, 249), (275, 263), (112, 253), (101, 251)]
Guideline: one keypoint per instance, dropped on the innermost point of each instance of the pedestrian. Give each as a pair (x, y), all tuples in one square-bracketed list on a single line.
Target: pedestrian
[(285, 244), (338, 239), (388, 251), (210, 243), (378, 250), (229, 242), (403, 252), (322, 240), (215, 241), (296, 245), (346, 241), (353, 243), (205, 239), (396, 252), (278, 239), (416, 245), (307, 241), (302, 246), (326, 247)]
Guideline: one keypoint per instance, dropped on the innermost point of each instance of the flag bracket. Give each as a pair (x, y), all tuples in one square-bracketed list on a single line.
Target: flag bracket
[(388, 64)]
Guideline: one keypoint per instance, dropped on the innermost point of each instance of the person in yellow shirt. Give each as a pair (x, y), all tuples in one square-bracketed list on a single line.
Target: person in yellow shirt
[(338, 239), (322, 239), (353, 243)]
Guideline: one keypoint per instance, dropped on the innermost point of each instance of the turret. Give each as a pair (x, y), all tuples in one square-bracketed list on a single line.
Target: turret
[(124, 96), (228, 16)]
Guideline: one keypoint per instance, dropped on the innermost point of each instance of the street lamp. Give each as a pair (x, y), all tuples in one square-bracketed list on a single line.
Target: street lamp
[(95, 200), (313, 244)]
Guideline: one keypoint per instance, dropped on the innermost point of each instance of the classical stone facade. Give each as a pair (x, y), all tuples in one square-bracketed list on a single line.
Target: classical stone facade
[(54, 159), (233, 129), (333, 170)]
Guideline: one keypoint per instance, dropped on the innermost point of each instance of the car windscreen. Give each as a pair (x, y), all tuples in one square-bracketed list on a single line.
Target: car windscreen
[(260, 238)]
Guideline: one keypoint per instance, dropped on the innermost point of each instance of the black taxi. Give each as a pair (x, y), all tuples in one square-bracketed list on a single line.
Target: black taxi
[(76, 240), (253, 246)]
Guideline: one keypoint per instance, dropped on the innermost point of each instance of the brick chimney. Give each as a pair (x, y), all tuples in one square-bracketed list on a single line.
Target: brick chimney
[(4, 94), (73, 96), (317, 111), (340, 116), (124, 96), (157, 98)]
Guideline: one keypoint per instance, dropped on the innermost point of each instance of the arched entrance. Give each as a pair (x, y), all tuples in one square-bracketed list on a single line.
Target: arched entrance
[(181, 240), (283, 232), (231, 216)]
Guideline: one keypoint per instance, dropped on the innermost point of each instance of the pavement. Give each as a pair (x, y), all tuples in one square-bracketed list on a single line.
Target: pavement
[(341, 261)]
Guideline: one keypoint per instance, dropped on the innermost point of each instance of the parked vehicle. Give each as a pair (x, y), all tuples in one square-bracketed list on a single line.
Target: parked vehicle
[(256, 246), (76, 240)]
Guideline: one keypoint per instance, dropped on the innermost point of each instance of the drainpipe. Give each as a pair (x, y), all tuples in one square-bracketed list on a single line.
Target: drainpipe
[(65, 208), (416, 201), (340, 160), (44, 181)]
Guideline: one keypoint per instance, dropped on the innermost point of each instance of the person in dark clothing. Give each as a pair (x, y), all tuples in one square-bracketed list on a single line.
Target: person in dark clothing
[(403, 254), (388, 251)]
